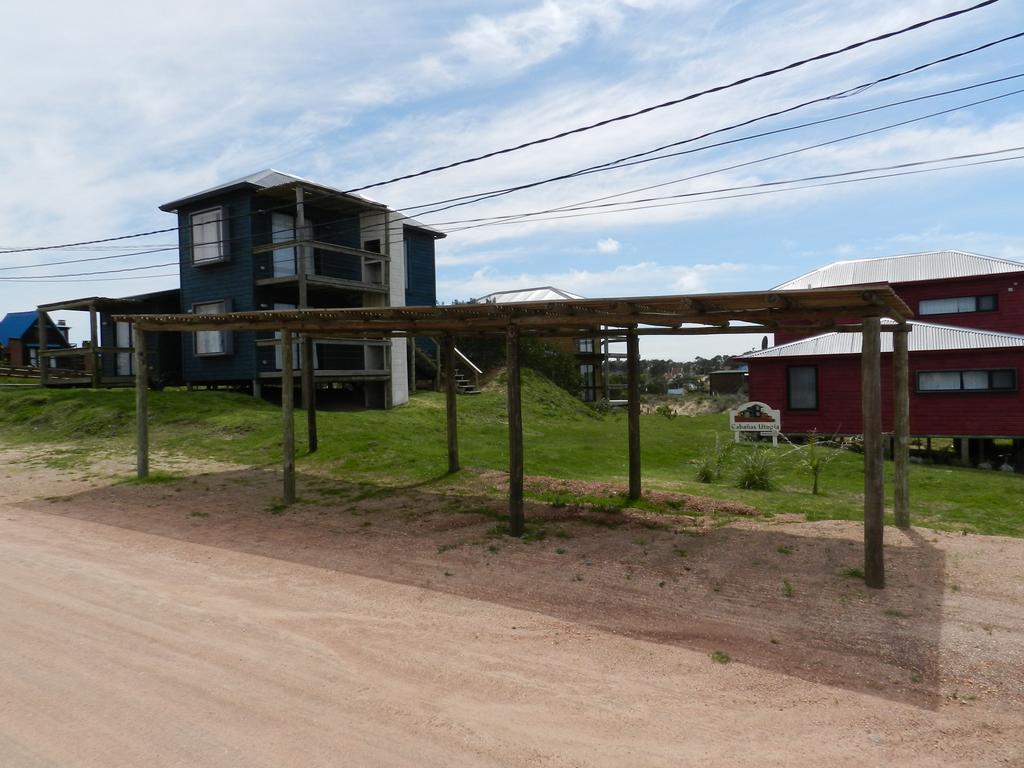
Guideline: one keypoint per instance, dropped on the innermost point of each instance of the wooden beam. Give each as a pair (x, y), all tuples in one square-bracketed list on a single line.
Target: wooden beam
[(141, 406), (309, 393), (901, 426), (452, 406), (410, 343), (874, 484), (516, 524), (94, 353), (288, 416), (43, 336), (633, 383)]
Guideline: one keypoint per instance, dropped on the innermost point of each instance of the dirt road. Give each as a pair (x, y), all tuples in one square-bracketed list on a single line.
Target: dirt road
[(147, 645)]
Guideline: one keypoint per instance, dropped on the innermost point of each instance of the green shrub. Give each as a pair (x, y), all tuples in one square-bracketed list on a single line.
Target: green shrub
[(756, 469), (706, 469)]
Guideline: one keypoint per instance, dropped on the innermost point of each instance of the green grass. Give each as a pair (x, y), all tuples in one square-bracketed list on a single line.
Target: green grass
[(563, 438)]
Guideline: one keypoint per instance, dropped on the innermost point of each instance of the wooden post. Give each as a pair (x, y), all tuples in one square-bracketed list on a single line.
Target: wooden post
[(874, 483), (288, 415), (451, 402), (901, 426), (633, 373), (515, 434), (43, 338), (257, 388), (965, 451), (437, 366), (94, 337), (141, 405), (309, 393)]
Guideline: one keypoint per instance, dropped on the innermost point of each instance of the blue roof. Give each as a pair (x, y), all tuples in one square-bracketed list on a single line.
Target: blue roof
[(14, 325)]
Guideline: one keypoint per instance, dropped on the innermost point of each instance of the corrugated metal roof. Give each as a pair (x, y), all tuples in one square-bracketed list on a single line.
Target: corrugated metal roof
[(544, 293), (905, 268), (925, 337), (14, 325), (269, 177)]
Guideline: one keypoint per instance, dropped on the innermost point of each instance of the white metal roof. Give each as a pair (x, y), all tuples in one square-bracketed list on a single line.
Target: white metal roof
[(905, 268), (269, 177), (544, 293), (925, 337)]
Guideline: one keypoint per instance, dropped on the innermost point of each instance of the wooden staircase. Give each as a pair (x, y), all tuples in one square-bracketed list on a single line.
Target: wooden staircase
[(463, 385)]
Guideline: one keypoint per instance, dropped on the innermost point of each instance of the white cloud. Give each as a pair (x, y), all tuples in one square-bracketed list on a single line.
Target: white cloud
[(643, 278), (608, 245)]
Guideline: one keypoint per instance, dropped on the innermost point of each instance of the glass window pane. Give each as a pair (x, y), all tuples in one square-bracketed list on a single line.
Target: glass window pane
[(803, 387), (936, 381), (1006, 379), (967, 304), (207, 229), (986, 303), (939, 306), (975, 379)]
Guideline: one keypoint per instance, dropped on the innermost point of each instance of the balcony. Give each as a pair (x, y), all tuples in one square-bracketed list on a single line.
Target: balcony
[(327, 264), (334, 359)]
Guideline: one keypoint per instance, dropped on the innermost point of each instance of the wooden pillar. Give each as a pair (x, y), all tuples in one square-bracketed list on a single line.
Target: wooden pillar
[(43, 338), (437, 366), (633, 374), (901, 426), (451, 402), (288, 415), (874, 483), (94, 338), (965, 451), (141, 405), (257, 388), (309, 393), (515, 434)]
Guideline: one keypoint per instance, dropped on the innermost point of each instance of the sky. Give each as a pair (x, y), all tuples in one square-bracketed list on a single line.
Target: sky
[(112, 108)]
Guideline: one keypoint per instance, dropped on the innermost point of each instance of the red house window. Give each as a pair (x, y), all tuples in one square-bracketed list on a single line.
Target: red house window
[(957, 305), (994, 380), (802, 387)]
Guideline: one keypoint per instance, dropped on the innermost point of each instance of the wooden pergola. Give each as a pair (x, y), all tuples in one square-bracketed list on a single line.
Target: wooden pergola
[(857, 309)]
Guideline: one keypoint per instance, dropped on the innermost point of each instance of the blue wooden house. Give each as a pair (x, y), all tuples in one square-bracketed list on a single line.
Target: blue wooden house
[(272, 240), (19, 337)]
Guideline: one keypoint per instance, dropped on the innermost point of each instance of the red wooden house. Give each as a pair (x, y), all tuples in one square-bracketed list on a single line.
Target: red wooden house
[(966, 353)]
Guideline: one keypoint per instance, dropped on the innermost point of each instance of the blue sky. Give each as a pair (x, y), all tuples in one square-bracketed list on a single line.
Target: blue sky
[(111, 114)]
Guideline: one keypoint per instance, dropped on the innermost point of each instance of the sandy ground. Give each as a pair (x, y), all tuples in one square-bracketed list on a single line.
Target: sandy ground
[(195, 623)]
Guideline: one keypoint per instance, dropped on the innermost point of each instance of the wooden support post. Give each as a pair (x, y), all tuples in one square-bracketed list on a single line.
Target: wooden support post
[(94, 338), (309, 393), (965, 451), (257, 388), (141, 405), (451, 401), (901, 426), (515, 434), (633, 374), (43, 346), (437, 366), (288, 415), (874, 482)]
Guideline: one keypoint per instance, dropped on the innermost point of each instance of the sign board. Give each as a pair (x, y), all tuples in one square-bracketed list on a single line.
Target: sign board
[(757, 418)]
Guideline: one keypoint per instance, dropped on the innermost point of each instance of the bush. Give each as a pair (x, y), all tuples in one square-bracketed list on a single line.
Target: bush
[(706, 469), (756, 470), (710, 468)]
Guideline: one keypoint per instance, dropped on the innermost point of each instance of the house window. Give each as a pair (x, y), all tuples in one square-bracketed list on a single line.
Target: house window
[(211, 343), (802, 389), (209, 229), (589, 383), (995, 380), (957, 305), (586, 346)]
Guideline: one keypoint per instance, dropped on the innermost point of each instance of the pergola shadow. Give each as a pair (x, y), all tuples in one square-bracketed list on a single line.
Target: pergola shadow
[(784, 598)]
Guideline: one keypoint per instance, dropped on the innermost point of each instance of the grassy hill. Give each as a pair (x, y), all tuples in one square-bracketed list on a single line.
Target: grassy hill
[(563, 439)]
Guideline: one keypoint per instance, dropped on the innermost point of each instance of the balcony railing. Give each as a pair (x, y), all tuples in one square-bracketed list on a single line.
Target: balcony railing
[(326, 263)]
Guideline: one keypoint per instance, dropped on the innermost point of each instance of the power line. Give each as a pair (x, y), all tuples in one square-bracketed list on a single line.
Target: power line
[(100, 272), (91, 258), (772, 184), (624, 162), (86, 279), (776, 156), (688, 97)]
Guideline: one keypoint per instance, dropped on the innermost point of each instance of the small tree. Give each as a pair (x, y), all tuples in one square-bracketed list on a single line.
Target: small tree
[(815, 459)]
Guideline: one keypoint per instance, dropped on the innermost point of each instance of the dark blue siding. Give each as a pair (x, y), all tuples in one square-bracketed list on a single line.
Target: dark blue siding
[(232, 281), (421, 288)]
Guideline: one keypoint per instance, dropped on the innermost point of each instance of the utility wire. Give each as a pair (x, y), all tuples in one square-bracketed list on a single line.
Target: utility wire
[(624, 162), (100, 272), (689, 97), (776, 156), (619, 207)]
